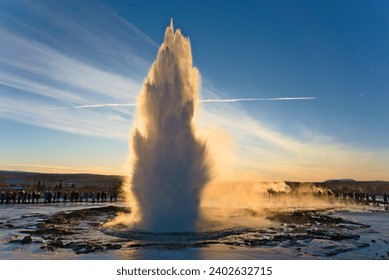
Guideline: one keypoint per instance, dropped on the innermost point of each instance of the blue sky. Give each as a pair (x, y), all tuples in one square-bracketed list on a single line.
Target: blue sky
[(57, 55)]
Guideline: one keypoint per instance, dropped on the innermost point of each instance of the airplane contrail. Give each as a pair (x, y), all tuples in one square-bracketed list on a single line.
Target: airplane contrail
[(200, 101), (255, 99)]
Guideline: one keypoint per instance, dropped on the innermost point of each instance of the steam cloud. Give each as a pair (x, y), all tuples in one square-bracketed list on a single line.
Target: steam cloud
[(169, 187), (169, 166)]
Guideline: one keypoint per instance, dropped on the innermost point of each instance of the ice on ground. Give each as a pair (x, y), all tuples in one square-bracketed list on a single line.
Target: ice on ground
[(76, 231)]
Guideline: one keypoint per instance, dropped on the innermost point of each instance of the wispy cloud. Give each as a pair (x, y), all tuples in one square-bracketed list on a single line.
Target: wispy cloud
[(46, 71), (88, 32), (92, 66), (34, 58), (84, 122), (257, 148), (98, 106), (58, 80)]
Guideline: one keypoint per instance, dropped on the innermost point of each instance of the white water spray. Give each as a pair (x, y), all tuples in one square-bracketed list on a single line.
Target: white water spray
[(169, 167)]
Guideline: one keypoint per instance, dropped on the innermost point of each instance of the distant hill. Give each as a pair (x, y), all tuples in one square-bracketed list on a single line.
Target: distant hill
[(349, 185), (339, 180), (31, 179), (88, 181)]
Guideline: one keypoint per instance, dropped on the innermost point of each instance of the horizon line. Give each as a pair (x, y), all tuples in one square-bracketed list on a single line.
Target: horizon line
[(101, 174)]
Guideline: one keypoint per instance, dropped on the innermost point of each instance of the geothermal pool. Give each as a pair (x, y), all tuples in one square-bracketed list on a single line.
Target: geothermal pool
[(77, 231)]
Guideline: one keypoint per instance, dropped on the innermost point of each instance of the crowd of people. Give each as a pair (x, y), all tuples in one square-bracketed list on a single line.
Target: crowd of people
[(25, 197), (363, 197)]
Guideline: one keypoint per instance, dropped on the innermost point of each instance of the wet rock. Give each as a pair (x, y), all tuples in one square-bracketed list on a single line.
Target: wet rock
[(26, 231), (17, 239), (317, 232), (80, 248), (27, 239), (14, 241), (338, 251), (135, 245), (205, 244), (113, 246), (362, 245), (53, 231), (309, 217), (57, 243), (84, 248), (342, 236), (50, 248)]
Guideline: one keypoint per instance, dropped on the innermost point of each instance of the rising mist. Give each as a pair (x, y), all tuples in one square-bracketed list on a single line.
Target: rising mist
[(169, 188)]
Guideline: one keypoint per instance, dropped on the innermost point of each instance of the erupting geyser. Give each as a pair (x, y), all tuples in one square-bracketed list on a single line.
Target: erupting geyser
[(169, 166)]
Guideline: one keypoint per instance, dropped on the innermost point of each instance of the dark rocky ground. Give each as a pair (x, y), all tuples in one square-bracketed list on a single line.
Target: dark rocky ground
[(295, 233), (306, 234)]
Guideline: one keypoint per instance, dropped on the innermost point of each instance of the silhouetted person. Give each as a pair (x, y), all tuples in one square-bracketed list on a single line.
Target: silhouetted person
[(14, 197), (37, 196), (20, 195), (86, 196), (2, 197), (372, 195), (24, 196), (45, 195), (8, 197), (385, 196)]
